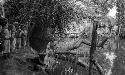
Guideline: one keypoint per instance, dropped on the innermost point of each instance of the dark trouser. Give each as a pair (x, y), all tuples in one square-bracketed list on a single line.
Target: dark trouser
[(18, 43), (23, 40), (2, 47)]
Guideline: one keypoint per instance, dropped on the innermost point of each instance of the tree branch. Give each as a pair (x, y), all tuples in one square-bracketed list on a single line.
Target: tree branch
[(99, 68), (80, 42), (103, 42)]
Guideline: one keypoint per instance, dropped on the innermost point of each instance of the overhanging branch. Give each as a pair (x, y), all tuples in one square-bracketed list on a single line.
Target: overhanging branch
[(86, 43), (103, 42)]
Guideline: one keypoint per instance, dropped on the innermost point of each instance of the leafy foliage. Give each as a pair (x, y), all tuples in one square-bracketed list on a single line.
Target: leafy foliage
[(50, 15)]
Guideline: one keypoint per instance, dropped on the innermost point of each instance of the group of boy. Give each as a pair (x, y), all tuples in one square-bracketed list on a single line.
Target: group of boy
[(12, 36)]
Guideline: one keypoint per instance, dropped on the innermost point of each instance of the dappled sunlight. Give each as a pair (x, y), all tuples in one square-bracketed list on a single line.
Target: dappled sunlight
[(63, 37), (110, 56), (112, 12)]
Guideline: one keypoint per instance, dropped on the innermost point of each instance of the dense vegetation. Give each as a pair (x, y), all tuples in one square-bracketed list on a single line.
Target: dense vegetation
[(46, 18)]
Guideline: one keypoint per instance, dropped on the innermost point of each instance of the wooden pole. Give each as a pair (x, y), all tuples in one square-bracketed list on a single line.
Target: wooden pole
[(93, 45)]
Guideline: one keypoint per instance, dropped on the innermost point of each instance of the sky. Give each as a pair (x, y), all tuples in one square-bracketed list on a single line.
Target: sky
[(112, 12)]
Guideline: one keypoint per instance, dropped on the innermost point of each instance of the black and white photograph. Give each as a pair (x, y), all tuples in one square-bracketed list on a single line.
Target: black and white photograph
[(62, 37)]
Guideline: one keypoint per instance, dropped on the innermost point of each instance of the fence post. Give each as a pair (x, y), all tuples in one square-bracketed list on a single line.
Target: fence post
[(93, 45)]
